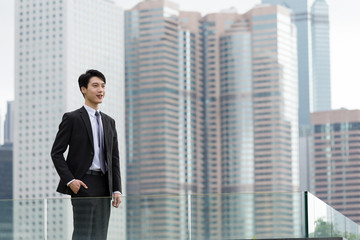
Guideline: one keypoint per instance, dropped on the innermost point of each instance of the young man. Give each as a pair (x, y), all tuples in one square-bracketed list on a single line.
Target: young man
[(91, 169)]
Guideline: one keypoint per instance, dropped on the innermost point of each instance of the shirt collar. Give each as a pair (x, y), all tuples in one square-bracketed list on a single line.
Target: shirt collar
[(90, 110)]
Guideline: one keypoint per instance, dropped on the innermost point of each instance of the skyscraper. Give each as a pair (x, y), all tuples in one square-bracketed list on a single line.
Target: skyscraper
[(336, 160), (211, 108), (213, 27), (164, 120), (6, 191), (9, 123), (56, 41), (251, 119), (320, 33), (312, 22)]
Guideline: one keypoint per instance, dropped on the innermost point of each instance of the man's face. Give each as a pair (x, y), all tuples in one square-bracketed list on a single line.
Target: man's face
[(95, 92)]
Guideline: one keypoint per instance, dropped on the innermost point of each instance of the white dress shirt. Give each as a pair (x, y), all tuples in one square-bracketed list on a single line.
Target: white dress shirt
[(94, 127)]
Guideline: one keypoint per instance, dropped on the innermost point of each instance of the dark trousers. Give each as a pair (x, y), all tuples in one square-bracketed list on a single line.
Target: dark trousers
[(91, 209)]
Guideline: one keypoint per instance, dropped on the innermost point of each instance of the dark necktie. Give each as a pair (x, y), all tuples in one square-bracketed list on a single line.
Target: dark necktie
[(100, 142)]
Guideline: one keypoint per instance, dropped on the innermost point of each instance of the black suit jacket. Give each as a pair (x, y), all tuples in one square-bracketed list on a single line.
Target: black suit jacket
[(75, 132)]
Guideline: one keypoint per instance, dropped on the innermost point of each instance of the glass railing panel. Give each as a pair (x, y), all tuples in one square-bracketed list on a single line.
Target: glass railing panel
[(59, 217), (117, 223), (325, 221), (338, 223), (216, 216), (320, 218), (161, 216), (209, 216), (29, 219), (351, 230), (237, 216), (278, 215)]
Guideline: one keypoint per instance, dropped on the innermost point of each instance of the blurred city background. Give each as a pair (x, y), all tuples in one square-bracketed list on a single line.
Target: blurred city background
[(235, 118)]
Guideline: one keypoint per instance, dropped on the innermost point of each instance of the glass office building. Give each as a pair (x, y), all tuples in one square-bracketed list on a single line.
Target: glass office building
[(320, 33), (211, 107), (312, 22), (336, 160), (164, 120), (6, 191), (311, 18)]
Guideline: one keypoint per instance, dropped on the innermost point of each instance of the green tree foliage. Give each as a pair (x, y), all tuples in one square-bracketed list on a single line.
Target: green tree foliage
[(326, 229)]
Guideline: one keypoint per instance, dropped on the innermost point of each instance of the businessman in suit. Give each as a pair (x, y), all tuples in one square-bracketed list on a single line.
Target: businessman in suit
[(91, 171)]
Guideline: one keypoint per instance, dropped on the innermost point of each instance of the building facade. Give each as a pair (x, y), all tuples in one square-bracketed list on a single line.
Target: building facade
[(6, 191), (312, 21), (255, 97), (211, 107), (164, 120), (320, 34), (56, 41), (336, 160), (311, 18)]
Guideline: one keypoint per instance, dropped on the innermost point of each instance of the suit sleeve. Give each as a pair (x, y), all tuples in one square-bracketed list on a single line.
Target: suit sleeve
[(116, 164), (61, 142)]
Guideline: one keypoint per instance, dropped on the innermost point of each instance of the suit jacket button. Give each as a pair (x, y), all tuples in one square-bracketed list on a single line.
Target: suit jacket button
[(92, 153)]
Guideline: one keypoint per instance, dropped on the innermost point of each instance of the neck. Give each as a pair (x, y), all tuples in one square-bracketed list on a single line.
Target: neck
[(92, 105)]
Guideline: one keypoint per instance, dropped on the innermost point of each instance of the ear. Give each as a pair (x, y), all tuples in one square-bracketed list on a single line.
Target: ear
[(83, 90)]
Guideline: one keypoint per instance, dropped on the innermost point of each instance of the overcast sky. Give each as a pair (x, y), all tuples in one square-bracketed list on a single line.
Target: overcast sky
[(344, 44)]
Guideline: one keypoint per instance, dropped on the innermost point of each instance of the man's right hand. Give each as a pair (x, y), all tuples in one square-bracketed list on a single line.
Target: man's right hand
[(76, 184)]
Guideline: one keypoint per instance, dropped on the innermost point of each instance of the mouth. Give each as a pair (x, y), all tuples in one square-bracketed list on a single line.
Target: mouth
[(100, 96)]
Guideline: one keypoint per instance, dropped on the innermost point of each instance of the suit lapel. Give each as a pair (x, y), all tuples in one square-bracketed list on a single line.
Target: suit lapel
[(85, 117)]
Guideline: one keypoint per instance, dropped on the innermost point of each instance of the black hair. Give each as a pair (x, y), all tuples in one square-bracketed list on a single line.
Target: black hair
[(85, 78)]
